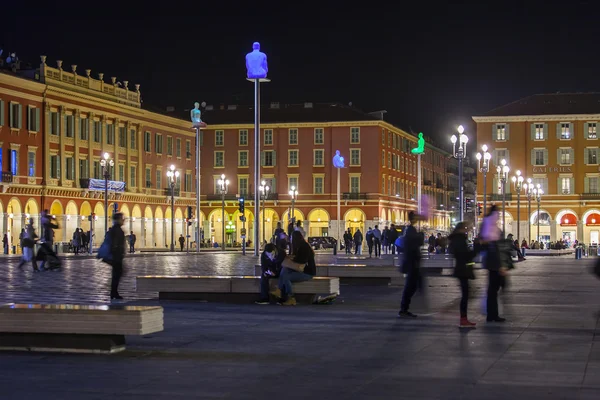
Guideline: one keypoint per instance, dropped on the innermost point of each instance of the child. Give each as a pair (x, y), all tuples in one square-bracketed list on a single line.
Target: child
[(270, 262)]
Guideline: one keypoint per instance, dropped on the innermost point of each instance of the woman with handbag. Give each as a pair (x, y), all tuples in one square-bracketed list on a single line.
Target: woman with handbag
[(298, 267), (463, 268)]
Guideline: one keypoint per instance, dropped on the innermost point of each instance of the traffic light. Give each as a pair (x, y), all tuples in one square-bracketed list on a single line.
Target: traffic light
[(190, 216), (91, 217), (241, 205), (469, 205), (479, 208)]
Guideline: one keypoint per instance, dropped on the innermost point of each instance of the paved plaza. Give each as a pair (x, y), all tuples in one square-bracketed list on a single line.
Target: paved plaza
[(355, 348)]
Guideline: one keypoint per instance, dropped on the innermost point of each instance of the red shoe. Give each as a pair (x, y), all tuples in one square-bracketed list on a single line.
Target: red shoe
[(465, 323)]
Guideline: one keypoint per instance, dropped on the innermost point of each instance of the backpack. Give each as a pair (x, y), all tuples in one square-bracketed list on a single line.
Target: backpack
[(104, 252), (400, 243)]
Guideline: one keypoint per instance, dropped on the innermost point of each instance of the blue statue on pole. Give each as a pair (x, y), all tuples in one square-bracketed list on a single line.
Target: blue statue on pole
[(338, 161), (256, 63)]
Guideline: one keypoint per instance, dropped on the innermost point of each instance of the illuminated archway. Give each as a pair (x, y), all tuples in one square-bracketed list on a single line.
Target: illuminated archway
[(355, 219), (318, 222), (159, 229), (14, 222), (216, 226), (285, 218)]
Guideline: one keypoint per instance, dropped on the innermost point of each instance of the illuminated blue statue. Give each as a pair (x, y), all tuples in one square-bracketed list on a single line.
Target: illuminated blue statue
[(256, 63), (338, 161), (195, 114)]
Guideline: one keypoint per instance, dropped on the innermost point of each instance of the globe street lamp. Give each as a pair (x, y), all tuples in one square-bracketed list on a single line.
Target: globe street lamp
[(528, 187), (518, 183), (460, 155), (172, 176), (105, 163), (502, 171), (264, 194), (537, 193), (294, 193), (484, 168), (223, 186)]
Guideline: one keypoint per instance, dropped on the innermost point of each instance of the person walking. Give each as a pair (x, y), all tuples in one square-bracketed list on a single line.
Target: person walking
[(463, 268), (413, 241), (76, 241), (181, 241), (392, 236), (132, 240), (358, 239), (117, 252), (27, 243), (377, 241), (348, 241), (490, 236), (5, 243), (369, 238)]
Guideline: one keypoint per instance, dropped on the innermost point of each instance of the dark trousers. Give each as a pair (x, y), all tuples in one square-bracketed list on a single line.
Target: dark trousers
[(132, 247), (412, 283), (370, 245), (494, 282), (348, 247), (377, 244), (464, 299), (264, 285), (117, 272), (181, 245)]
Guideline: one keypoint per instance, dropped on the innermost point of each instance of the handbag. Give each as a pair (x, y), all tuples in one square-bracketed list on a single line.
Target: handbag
[(104, 252), (27, 242), (293, 266)]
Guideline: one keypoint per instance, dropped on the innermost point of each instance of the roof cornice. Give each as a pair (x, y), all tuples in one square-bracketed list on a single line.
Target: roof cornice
[(537, 118)]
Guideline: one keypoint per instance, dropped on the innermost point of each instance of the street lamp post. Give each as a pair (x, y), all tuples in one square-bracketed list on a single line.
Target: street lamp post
[(105, 163), (294, 193), (529, 191), (502, 171), (172, 175), (460, 155), (264, 191), (484, 168), (537, 193), (518, 183), (223, 185)]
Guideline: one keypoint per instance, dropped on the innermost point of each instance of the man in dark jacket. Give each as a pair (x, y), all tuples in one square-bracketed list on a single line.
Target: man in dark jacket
[(392, 236), (117, 251), (413, 241), (270, 262)]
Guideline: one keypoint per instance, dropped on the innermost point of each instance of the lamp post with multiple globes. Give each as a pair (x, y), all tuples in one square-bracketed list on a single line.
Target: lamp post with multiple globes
[(172, 175)]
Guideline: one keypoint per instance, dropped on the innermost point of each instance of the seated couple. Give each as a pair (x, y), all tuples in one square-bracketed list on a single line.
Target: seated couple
[(297, 267)]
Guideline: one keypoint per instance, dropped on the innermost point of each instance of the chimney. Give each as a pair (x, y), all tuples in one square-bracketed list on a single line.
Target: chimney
[(308, 105), (209, 108), (274, 105), (232, 107)]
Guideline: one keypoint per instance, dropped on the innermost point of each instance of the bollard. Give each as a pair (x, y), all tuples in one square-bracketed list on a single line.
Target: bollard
[(335, 249)]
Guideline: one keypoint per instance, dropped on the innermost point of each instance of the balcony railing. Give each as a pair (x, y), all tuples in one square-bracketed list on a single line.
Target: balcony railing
[(228, 196), (590, 196), (354, 196), (498, 197), (7, 177), (167, 192)]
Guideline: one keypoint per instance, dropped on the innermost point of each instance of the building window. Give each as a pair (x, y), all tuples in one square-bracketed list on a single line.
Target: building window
[(243, 186), (31, 163), (591, 133), (268, 158), (96, 169), (110, 134), (355, 157), (383, 158), (293, 158), (54, 128), (355, 184), (14, 162), (243, 140), (158, 178), (318, 157), (55, 166), (158, 143), (70, 168), (318, 185), (565, 157), (383, 137), (565, 131), (243, 158), (132, 141), (122, 137), (593, 185), (543, 182), (147, 142), (592, 156), (219, 158), (354, 135), (169, 146), (566, 185), (70, 123), (121, 173), (219, 138), (319, 139), (383, 184), (84, 169), (539, 157), (293, 136), (84, 127), (188, 149), (97, 132), (132, 174), (390, 135), (539, 131), (500, 132), (292, 182), (16, 116), (178, 148), (268, 136), (148, 177), (33, 119), (389, 160)]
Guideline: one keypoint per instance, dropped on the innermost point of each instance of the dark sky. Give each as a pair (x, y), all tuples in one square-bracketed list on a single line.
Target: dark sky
[(431, 66)]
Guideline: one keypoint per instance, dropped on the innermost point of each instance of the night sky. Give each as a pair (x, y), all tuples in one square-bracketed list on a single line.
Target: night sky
[(431, 66)]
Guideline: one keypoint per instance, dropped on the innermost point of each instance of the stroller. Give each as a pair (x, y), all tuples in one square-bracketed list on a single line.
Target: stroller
[(48, 256)]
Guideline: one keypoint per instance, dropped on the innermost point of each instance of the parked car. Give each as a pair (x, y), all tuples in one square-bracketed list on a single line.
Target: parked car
[(322, 242)]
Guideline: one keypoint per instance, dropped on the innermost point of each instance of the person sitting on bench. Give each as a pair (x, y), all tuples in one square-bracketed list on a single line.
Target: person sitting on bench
[(270, 262)]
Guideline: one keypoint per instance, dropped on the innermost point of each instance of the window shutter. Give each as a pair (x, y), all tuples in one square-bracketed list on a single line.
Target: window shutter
[(558, 156), (37, 120), (11, 115), (572, 185), (274, 157), (495, 186), (29, 117), (586, 158), (58, 167), (262, 158), (532, 157), (559, 185), (507, 157), (585, 130), (494, 132), (545, 131), (532, 129), (273, 185), (558, 130), (507, 132), (545, 156), (1, 113), (571, 131), (20, 116), (586, 185), (571, 156)]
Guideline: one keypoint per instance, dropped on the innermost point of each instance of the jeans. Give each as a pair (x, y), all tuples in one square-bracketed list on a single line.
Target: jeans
[(464, 299), (377, 244), (117, 272), (287, 277), (265, 287), (348, 247), (357, 248), (412, 283), (132, 247), (370, 246), (494, 282)]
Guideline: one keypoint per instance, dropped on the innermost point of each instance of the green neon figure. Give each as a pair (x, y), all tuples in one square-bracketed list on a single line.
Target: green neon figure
[(421, 145)]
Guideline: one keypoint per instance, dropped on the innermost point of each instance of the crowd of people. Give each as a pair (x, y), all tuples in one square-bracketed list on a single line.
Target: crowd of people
[(377, 240)]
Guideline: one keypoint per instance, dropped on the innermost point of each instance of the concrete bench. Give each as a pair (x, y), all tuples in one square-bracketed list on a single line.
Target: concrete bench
[(355, 273), (75, 328), (230, 289)]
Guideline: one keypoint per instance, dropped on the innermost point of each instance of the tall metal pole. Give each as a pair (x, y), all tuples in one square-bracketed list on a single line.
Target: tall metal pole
[(529, 217), (419, 183), (538, 221), (198, 221), (256, 162), (503, 208), (223, 217), (292, 215), (338, 211), (518, 214), (484, 192), (263, 217), (460, 183), (172, 215), (105, 199)]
